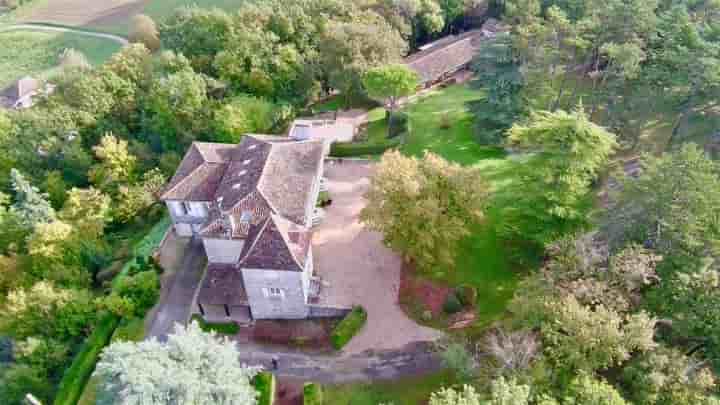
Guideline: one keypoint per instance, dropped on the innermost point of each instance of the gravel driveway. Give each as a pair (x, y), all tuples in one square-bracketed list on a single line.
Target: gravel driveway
[(359, 268)]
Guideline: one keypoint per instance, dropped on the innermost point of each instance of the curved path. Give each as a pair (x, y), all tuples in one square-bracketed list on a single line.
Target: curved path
[(413, 359), (41, 27)]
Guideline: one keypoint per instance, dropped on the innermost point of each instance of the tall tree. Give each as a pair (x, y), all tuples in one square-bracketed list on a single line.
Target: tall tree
[(567, 151), (390, 83), (672, 205), (206, 369), (424, 207), (349, 49), (31, 207)]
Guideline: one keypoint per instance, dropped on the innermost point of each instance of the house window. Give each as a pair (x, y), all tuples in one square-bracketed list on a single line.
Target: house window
[(274, 292), (186, 208)]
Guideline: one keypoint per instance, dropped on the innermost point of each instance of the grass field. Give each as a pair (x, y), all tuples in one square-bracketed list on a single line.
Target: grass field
[(36, 53), (111, 16), (406, 391)]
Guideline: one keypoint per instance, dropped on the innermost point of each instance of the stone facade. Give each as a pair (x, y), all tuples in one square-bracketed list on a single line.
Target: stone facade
[(275, 294)]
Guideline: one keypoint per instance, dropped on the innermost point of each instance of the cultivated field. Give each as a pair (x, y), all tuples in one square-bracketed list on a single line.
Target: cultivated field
[(107, 15), (36, 53)]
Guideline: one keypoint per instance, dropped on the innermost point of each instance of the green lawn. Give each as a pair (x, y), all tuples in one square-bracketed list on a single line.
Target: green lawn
[(484, 260), (405, 391), (36, 53)]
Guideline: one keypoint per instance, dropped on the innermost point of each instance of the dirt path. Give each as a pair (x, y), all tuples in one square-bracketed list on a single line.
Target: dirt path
[(359, 268), (39, 27)]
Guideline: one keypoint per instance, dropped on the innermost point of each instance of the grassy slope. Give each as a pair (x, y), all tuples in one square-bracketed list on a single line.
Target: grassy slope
[(160, 9), (406, 391), (36, 53)]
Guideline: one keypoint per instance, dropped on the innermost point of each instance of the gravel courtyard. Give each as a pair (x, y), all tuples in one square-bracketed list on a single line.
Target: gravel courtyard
[(359, 268)]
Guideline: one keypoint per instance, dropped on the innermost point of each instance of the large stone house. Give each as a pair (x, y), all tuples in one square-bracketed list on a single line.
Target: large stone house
[(253, 205)]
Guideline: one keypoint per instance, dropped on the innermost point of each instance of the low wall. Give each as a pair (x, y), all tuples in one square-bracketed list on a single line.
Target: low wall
[(318, 311)]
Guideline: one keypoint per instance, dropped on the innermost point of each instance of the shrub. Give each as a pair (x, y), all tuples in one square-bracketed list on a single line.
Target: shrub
[(264, 383), (312, 394), (398, 124), (324, 199), (142, 289), (348, 149), (348, 327), (458, 358), (145, 31), (76, 376), (223, 328), (445, 122), (467, 295), (452, 304)]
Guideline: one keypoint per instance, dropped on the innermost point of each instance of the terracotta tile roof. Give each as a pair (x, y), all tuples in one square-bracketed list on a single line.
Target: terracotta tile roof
[(273, 249), (222, 285), (199, 174), (288, 177), (263, 186), (243, 173), (445, 55)]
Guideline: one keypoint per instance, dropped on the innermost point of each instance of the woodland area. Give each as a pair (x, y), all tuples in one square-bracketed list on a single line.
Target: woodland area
[(620, 299)]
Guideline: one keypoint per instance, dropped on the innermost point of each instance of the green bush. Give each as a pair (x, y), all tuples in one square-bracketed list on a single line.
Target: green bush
[(348, 149), (141, 289), (348, 327), (452, 304), (76, 376), (312, 394), (398, 124), (264, 383), (467, 295), (223, 328)]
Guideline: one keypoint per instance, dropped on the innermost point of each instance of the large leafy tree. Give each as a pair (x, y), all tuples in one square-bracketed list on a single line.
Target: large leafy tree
[(666, 376), (567, 151), (390, 83), (424, 206), (672, 205), (497, 70), (31, 206), (690, 303), (205, 369), (349, 49)]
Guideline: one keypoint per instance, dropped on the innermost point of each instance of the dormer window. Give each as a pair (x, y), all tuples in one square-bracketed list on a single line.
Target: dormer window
[(245, 216)]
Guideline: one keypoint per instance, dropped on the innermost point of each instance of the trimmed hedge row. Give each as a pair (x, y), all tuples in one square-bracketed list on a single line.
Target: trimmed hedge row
[(264, 383), (349, 149), (348, 327), (223, 328), (76, 376), (312, 394)]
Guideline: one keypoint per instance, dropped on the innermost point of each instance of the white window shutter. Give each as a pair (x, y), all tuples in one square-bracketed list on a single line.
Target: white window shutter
[(265, 292)]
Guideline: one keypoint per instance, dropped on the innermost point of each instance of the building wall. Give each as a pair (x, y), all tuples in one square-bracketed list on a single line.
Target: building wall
[(311, 203), (223, 250), (292, 303), (187, 223)]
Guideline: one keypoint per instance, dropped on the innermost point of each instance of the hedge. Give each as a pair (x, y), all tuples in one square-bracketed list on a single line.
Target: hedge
[(76, 376), (312, 394), (264, 383), (146, 246), (224, 328), (398, 124), (349, 149), (348, 327)]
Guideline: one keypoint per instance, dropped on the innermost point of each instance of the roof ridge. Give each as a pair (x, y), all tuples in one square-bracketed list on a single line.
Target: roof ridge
[(285, 240), (192, 145), (254, 242), (429, 51)]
